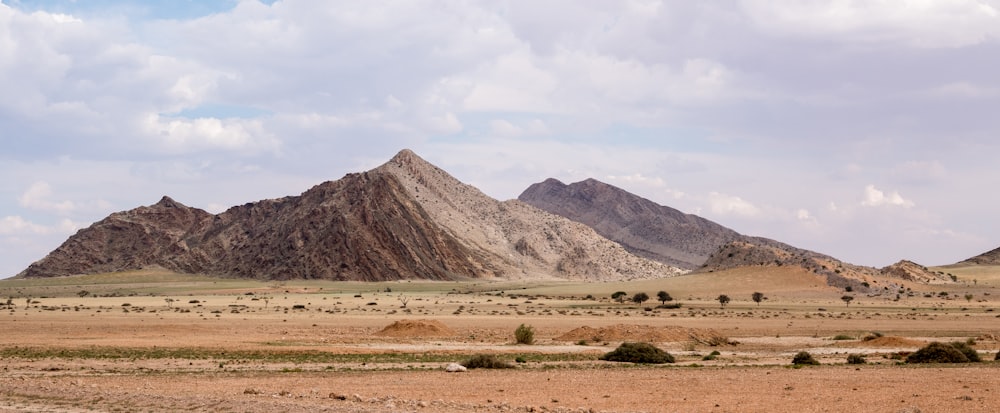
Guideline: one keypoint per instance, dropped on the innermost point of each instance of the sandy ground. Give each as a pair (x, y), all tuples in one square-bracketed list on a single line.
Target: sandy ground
[(97, 354)]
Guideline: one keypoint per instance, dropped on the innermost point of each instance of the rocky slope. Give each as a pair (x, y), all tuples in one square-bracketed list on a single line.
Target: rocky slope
[(987, 258), (641, 226), (406, 219)]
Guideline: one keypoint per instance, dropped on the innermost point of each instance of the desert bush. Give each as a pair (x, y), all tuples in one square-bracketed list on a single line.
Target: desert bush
[(524, 334), (486, 361), (804, 358), (639, 353), (843, 337), (856, 359), (671, 306), (997, 357), (969, 352), (711, 356), (937, 352)]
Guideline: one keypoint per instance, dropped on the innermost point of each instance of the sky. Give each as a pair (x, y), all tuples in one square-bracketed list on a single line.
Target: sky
[(867, 130)]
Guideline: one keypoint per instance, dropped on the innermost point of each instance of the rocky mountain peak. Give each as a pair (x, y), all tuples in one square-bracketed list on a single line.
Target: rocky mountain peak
[(168, 202)]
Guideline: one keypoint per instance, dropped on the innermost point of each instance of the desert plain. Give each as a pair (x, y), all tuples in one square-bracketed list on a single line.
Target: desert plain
[(155, 341)]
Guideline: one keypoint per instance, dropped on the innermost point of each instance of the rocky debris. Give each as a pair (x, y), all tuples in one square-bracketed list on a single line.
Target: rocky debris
[(643, 227), (406, 219), (455, 368)]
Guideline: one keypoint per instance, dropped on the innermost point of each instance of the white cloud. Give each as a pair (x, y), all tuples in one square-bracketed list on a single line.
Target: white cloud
[(917, 23), (723, 204), (876, 198), (16, 225), (181, 135), (37, 197)]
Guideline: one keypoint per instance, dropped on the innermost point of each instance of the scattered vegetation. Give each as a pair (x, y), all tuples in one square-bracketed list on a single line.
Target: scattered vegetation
[(843, 337), (804, 358), (639, 353), (486, 361), (524, 334), (757, 297)]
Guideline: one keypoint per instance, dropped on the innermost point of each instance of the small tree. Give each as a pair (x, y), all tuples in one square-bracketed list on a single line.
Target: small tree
[(723, 300), (968, 297), (640, 298), (404, 299), (619, 296), (524, 334), (170, 302), (663, 296), (757, 298), (267, 300), (847, 299)]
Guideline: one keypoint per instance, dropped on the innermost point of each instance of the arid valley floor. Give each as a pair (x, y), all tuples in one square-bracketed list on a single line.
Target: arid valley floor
[(153, 342)]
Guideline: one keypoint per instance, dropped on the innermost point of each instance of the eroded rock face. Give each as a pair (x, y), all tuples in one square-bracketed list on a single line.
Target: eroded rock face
[(406, 219)]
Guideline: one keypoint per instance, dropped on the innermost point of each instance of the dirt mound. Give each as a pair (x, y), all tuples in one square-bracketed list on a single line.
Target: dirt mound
[(416, 328), (893, 342), (633, 332)]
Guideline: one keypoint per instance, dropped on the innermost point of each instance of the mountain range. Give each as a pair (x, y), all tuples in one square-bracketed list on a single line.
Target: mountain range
[(408, 219)]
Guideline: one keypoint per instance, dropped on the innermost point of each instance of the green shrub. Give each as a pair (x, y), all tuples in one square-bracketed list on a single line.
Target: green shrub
[(524, 334), (856, 359), (486, 361), (804, 358), (843, 337), (937, 353), (711, 356), (639, 353)]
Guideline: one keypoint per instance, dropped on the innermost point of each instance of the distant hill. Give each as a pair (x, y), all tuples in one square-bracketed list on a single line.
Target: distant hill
[(406, 219), (691, 242), (641, 226), (987, 258)]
